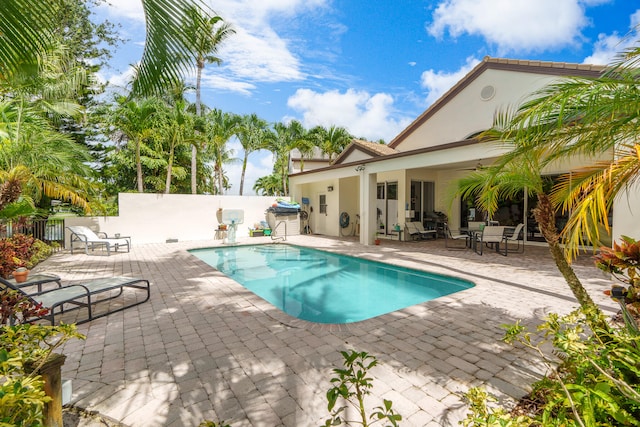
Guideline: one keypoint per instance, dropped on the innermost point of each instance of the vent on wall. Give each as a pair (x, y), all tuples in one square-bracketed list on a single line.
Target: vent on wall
[(487, 93)]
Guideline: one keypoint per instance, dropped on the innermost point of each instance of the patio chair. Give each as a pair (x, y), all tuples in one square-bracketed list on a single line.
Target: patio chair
[(416, 230), (89, 239), (95, 291), (490, 235), (517, 236), (451, 239)]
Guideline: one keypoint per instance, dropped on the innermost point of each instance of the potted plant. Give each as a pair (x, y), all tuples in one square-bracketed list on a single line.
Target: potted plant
[(21, 272)]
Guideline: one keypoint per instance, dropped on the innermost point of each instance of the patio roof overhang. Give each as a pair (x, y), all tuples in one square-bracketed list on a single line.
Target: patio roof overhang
[(452, 155)]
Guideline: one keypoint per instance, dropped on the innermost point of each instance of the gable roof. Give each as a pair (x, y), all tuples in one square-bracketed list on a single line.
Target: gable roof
[(517, 65), (369, 148)]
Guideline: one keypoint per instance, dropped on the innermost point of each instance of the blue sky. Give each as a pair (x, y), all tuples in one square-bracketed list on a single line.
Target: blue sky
[(374, 66)]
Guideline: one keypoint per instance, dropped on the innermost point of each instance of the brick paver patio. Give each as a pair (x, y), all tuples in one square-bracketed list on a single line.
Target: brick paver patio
[(204, 347)]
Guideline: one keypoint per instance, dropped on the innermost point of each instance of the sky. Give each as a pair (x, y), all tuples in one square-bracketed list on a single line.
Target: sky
[(373, 66)]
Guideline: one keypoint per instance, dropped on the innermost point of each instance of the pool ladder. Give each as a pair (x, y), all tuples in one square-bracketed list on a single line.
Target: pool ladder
[(274, 233)]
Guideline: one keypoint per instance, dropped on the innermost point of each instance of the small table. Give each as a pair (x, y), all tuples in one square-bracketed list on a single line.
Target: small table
[(37, 279), (221, 233)]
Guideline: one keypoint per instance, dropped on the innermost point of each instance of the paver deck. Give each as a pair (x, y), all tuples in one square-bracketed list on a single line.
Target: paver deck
[(204, 347)]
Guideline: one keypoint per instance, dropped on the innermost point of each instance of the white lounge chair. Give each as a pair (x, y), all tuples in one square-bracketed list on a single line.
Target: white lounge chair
[(416, 229), (89, 239)]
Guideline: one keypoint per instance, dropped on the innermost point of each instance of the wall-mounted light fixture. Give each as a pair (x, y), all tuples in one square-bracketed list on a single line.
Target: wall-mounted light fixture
[(359, 168), (330, 188)]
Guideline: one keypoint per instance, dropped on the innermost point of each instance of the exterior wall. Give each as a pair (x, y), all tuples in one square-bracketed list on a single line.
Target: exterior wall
[(349, 203), (626, 214), (155, 218), (467, 113), (356, 156)]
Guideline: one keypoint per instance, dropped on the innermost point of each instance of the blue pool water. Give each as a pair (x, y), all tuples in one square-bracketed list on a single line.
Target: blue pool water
[(323, 287)]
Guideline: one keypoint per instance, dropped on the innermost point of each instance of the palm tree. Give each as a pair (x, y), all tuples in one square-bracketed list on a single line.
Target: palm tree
[(220, 127), (206, 33), (280, 142), (177, 127), (333, 140), (592, 118), (512, 175), (270, 185), (134, 120), (251, 133), (49, 163)]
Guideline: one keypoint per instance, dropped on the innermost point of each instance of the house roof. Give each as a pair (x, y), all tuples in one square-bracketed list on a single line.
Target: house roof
[(516, 65), (372, 149)]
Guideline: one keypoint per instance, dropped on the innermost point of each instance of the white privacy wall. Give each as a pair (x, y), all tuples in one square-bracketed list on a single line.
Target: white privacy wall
[(155, 218)]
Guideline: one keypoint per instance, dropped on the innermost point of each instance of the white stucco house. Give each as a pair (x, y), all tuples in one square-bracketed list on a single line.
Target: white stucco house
[(409, 179)]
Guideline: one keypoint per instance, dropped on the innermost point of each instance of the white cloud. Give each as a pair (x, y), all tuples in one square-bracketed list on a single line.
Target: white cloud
[(438, 82), (608, 46), (256, 53), (362, 114), (512, 25)]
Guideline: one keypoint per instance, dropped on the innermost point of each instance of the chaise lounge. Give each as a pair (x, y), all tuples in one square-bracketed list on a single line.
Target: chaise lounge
[(89, 239), (89, 294)]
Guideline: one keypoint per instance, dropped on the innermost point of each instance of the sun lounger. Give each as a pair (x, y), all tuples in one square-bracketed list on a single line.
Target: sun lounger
[(416, 230), (89, 239), (90, 294)]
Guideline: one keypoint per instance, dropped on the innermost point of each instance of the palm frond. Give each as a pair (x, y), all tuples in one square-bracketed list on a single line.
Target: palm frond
[(167, 52)]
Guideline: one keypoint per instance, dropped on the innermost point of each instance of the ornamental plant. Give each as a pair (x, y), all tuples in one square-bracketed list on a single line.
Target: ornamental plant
[(352, 384), (21, 250), (24, 349), (593, 380), (623, 263)]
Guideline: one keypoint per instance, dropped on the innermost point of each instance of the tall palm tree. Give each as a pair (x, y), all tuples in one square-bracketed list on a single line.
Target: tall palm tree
[(333, 140), (206, 33), (134, 120), (251, 133), (219, 129), (280, 142), (177, 126)]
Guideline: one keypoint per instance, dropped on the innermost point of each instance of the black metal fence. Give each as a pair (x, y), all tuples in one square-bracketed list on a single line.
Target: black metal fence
[(47, 230)]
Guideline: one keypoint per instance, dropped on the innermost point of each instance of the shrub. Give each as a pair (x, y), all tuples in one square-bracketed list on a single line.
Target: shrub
[(596, 384), (24, 349), (21, 250)]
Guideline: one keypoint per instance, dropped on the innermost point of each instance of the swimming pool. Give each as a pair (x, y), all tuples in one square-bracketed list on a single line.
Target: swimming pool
[(323, 287)]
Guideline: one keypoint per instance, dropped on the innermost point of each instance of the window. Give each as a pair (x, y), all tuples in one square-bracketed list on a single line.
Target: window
[(323, 204)]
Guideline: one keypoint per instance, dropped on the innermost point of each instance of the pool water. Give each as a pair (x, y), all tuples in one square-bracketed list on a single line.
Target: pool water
[(323, 287)]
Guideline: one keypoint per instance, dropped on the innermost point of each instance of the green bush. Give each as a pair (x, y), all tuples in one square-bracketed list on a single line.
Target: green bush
[(21, 250), (24, 349), (596, 384)]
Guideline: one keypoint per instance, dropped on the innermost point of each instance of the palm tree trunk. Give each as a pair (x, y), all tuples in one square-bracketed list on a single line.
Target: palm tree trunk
[(544, 215), (194, 149), (167, 186), (139, 169), (244, 169)]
